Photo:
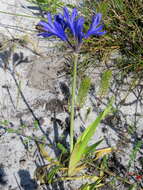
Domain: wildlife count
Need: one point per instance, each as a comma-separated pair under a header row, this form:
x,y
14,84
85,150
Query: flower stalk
x,y
73,102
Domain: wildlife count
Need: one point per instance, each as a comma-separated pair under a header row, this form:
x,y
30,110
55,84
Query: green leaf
x,y
105,83
102,152
92,148
62,148
92,186
118,4
88,111
51,175
45,154
133,187
102,7
83,91
134,152
36,125
4,122
48,5
85,187
9,130
82,141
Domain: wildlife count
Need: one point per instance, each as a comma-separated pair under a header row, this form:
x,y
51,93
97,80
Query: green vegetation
x,y
123,20
105,83
48,5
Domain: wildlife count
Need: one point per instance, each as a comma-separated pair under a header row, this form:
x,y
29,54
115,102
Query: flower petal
x,y
78,26
100,33
74,15
49,17
96,19
45,34
60,18
46,26
93,31
66,13
53,28
70,19
60,31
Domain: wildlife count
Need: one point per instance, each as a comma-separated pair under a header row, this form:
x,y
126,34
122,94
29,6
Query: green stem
x,y
73,102
22,15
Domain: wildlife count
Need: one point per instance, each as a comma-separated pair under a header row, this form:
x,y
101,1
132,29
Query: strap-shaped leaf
x,y
82,142
103,152
92,148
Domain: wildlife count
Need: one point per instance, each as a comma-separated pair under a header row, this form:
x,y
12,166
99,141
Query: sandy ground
x,y
39,73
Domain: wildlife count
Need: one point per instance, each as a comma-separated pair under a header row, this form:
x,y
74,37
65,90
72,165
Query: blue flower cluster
x,y
74,23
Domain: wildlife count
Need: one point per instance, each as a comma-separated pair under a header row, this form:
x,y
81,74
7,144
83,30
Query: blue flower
x,y
70,20
74,23
56,28
78,27
95,29
60,18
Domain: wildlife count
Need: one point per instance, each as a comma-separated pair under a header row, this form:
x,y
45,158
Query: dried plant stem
x,y
73,102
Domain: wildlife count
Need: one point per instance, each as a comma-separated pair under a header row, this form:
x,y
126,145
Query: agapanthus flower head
x,y
74,23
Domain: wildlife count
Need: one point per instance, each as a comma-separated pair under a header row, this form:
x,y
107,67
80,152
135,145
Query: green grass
x,y
48,5
123,20
52,6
